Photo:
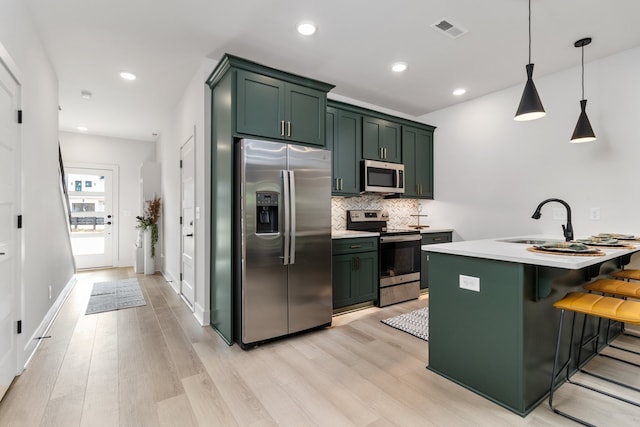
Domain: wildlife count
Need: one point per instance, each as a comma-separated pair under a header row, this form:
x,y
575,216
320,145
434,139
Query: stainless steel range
x,y
399,256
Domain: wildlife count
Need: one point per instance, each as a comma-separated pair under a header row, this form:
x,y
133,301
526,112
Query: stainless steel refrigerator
x,y
283,284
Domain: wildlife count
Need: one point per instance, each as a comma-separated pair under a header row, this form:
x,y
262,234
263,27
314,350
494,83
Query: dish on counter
x,y
600,241
617,236
567,247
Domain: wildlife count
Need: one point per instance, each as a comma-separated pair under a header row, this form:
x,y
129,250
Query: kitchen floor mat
x,y
415,322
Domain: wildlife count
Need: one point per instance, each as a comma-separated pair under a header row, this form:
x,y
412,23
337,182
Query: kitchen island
x,y
492,325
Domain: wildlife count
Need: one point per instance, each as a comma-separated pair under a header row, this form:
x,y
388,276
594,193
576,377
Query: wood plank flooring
x,y
155,366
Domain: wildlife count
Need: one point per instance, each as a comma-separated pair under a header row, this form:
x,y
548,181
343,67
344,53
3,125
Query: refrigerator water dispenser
x,y
266,212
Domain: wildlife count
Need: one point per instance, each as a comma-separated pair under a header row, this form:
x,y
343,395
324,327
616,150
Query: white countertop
x,y
517,252
349,234
435,230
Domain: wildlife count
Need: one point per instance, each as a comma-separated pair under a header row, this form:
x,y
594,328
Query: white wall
x,y
189,119
46,252
491,171
128,155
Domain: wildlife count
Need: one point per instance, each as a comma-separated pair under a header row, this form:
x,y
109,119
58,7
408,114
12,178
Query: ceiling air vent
x,y
447,27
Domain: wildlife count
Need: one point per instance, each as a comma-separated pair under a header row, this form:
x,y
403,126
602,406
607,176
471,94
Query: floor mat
x,y
115,295
415,323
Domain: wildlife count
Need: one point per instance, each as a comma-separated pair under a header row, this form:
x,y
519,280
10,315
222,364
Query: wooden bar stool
x,y
617,288
627,274
600,307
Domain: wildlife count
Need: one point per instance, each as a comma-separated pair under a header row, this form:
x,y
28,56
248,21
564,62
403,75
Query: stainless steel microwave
x,y
382,177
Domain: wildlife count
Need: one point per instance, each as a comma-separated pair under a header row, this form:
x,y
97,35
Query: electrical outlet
x,y
559,214
594,214
49,291
469,282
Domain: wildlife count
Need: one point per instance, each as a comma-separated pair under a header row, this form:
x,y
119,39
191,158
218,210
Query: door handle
x,y
2,253
188,235
108,216
108,222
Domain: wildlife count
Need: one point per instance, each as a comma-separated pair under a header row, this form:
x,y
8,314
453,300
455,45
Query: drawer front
x,y
362,244
431,238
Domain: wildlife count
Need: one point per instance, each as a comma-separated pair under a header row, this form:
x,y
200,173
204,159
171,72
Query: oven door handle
x,y
394,239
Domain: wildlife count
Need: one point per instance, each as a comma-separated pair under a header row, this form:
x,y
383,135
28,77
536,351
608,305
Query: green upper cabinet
x,y
344,139
272,108
417,157
381,140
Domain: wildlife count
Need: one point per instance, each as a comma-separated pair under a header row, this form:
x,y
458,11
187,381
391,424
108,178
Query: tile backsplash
x,y
400,210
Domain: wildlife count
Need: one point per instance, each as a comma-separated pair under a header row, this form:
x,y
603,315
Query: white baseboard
x,y
202,316
175,285
34,341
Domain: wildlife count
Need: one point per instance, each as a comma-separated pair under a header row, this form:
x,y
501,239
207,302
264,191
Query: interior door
x,y
187,268
9,238
92,218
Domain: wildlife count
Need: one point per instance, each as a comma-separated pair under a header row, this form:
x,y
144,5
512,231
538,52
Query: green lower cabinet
x,y
355,274
430,239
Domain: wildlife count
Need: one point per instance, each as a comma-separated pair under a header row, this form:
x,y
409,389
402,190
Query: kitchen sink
x,y
528,241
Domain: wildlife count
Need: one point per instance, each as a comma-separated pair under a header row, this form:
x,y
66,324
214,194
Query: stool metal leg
x,y
567,365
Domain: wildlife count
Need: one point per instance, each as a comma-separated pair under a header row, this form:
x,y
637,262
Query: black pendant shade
x,y
583,131
530,107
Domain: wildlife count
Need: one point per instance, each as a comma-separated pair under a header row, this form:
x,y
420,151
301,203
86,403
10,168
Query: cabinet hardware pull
x,y
420,185
355,246
380,153
341,187
281,127
337,183
357,263
385,153
288,128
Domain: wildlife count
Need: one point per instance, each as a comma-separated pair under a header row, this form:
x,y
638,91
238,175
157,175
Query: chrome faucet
x,y
567,230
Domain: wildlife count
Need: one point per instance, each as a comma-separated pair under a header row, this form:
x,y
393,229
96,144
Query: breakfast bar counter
x,y
492,325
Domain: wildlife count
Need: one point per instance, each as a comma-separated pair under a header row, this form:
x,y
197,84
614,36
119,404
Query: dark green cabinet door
x,y
260,105
344,139
430,239
342,272
417,157
381,140
424,270
305,110
366,286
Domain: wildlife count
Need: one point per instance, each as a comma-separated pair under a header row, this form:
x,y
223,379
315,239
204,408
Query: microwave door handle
x,y
292,217
285,234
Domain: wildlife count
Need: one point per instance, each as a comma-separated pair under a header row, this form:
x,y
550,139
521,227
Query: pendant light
x,y
530,107
583,131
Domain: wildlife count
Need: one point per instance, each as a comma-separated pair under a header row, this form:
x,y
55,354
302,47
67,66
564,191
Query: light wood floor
x,y
155,366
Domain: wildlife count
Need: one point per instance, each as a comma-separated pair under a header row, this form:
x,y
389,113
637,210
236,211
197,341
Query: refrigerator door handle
x,y
287,215
292,217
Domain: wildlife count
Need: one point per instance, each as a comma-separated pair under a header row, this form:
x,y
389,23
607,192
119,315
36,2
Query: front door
x,y
188,240
92,217
9,238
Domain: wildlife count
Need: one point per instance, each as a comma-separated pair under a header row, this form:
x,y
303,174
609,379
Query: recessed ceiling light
x,y
306,28
82,128
399,67
127,75
459,92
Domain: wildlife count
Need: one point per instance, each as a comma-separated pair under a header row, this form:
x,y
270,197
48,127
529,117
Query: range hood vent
x,y
445,26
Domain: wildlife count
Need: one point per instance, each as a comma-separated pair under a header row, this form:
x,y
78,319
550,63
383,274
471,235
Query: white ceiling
x,y
164,42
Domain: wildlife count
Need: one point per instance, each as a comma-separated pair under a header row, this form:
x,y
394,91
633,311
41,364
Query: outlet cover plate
x,y
469,283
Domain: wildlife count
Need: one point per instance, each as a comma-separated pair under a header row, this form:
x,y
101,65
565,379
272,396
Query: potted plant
x,y
148,224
